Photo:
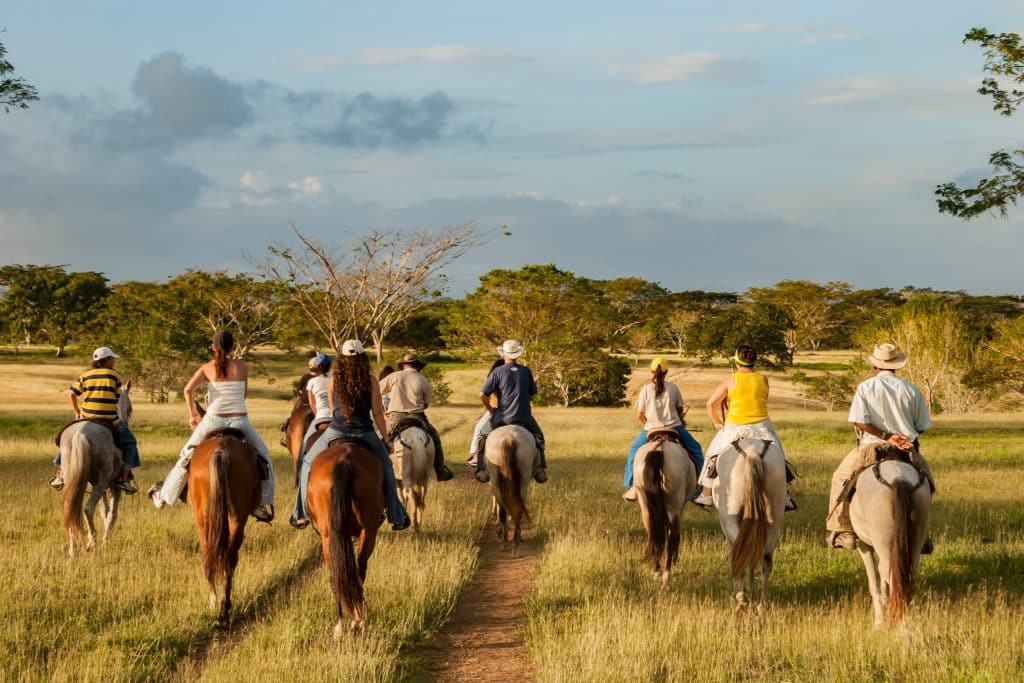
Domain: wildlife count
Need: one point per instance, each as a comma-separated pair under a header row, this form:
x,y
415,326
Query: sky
x,y
714,146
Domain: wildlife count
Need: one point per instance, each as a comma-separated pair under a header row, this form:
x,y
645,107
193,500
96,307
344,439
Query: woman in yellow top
x,y
739,410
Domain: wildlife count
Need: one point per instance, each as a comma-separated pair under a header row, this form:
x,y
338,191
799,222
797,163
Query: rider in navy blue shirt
x,y
515,387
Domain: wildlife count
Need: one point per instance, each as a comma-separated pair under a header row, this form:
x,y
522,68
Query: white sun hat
x,y
886,357
511,349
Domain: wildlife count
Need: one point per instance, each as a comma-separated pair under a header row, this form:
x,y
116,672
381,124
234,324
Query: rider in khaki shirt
x,y
409,396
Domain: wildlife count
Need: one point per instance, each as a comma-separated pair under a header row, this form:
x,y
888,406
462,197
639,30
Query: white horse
x,y
751,498
88,456
413,459
663,475
890,513
511,457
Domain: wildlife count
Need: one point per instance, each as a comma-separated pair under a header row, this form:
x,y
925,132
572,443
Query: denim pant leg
x,y
393,506
478,428
316,449
641,439
130,447
177,478
692,446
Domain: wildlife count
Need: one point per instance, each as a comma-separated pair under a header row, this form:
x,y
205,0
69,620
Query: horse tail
x,y
345,581
510,480
218,536
748,548
654,497
901,566
76,475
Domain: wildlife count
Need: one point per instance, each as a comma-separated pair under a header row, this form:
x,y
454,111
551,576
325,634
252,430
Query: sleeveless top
x,y
226,397
748,400
320,386
360,420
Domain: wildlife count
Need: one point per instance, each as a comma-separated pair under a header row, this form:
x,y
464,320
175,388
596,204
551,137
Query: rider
x,y
94,397
353,398
483,425
659,405
739,410
318,386
228,380
514,384
410,395
885,409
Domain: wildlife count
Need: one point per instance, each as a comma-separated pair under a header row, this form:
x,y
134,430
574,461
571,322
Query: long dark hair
x,y
351,381
223,342
495,365
658,378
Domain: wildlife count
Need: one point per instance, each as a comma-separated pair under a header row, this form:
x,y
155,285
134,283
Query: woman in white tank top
x,y
227,380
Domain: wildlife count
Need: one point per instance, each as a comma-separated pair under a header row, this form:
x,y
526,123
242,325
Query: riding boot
x,y
440,469
263,513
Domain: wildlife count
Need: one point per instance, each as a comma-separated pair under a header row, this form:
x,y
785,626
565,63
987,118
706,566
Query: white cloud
x,y
772,28
685,67
307,187
814,34
434,54
255,181
834,36
848,91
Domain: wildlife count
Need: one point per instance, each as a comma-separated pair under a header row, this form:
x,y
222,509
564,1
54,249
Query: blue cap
x,y
320,360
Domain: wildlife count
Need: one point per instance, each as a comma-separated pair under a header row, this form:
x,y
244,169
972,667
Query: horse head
x,y
124,402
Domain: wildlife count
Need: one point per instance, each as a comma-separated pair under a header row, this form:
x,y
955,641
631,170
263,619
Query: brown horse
x,y
345,498
295,428
223,489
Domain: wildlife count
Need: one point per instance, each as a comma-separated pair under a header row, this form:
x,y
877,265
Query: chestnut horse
x,y
223,489
345,498
295,428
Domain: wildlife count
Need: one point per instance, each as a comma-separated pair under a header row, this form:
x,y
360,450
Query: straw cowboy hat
x,y
411,359
511,349
886,357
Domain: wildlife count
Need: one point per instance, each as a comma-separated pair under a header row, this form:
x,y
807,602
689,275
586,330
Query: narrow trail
x,y
483,639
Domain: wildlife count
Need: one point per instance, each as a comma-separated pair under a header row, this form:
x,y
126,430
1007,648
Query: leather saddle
x,y
661,435
109,424
240,435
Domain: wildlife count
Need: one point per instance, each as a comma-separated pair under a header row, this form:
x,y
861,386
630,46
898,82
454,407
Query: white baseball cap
x,y
352,347
103,352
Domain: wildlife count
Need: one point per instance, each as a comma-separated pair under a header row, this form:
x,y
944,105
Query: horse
x,y
89,455
751,498
345,499
663,475
511,456
223,490
413,459
295,428
890,513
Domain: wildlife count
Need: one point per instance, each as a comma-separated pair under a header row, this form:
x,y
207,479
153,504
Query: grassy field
x,y
136,608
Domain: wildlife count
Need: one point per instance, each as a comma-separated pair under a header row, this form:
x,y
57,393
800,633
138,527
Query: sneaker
x,y
928,548
57,482
298,522
701,500
401,526
540,476
263,513
482,476
153,493
629,495
790,503
125,486
471,462
846,540
443,473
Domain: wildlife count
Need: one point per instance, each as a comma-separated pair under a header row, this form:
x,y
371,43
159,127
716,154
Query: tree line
x,y
583,334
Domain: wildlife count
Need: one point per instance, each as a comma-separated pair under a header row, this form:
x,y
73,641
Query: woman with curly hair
x,y
354,397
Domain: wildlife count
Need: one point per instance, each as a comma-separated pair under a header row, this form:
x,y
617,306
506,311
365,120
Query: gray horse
x,y
413,459
511,456
890,514
89,457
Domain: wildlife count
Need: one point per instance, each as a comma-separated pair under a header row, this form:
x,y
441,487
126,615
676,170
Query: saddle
x,y
713,465
402,425
662,435
109,424
871,456
315,435
240,435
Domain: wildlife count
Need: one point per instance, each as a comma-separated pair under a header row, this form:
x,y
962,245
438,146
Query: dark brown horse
x,y
223,489
345,498
295,428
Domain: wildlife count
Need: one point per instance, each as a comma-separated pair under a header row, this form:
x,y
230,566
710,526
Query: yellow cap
x,y
657,363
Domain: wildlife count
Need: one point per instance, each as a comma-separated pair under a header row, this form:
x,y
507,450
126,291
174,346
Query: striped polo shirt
x,y
98,390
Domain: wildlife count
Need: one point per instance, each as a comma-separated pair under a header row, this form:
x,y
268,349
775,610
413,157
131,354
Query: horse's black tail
x,y
901,565
652,489
218,536
344,572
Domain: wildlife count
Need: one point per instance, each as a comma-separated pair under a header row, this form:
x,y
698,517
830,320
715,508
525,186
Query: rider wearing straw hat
x,y
410,395
885,409
514,383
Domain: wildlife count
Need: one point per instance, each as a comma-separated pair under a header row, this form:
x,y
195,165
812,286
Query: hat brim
x,y
418,364
508,354
895,364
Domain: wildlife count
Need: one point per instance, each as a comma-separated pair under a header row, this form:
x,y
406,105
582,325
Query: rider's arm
x,y
898,440
311,400
378,411
74,404
487,403
198,380
641,416
716,404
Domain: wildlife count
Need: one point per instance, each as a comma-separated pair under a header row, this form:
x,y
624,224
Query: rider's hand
x,y
899,441
193,421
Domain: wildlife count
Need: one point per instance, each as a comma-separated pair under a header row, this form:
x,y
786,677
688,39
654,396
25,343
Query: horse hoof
x,y
339,631
357,628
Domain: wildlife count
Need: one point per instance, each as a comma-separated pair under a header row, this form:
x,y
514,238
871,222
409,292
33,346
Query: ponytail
x,y
220,362
659,381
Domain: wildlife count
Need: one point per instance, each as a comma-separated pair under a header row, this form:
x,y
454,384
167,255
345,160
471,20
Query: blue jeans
x,y
129,448
392,506
689,443
529,425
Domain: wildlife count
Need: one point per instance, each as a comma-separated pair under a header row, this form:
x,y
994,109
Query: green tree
x,y
759,324
638,304
811,307
685,308
1004,63
14,91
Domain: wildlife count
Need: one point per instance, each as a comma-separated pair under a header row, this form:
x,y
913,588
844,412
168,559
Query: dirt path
x,y
483,640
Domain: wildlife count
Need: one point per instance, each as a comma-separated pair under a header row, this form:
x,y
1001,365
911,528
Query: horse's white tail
x,y
76,466
755,516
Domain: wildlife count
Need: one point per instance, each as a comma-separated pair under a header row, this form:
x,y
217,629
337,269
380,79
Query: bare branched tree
x,y
364,290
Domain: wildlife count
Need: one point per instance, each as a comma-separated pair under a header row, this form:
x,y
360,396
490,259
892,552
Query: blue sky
x,y
698,146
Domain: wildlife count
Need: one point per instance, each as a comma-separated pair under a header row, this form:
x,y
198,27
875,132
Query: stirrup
x,y
443,473
540,476
263,513
482,476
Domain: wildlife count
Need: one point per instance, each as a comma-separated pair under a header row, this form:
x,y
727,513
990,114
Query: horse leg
x,y
111,517
867,555
503,527
517,524
90,510
766,571
673,550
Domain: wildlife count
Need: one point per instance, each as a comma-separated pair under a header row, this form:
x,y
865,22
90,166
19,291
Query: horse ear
x,y
127,386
